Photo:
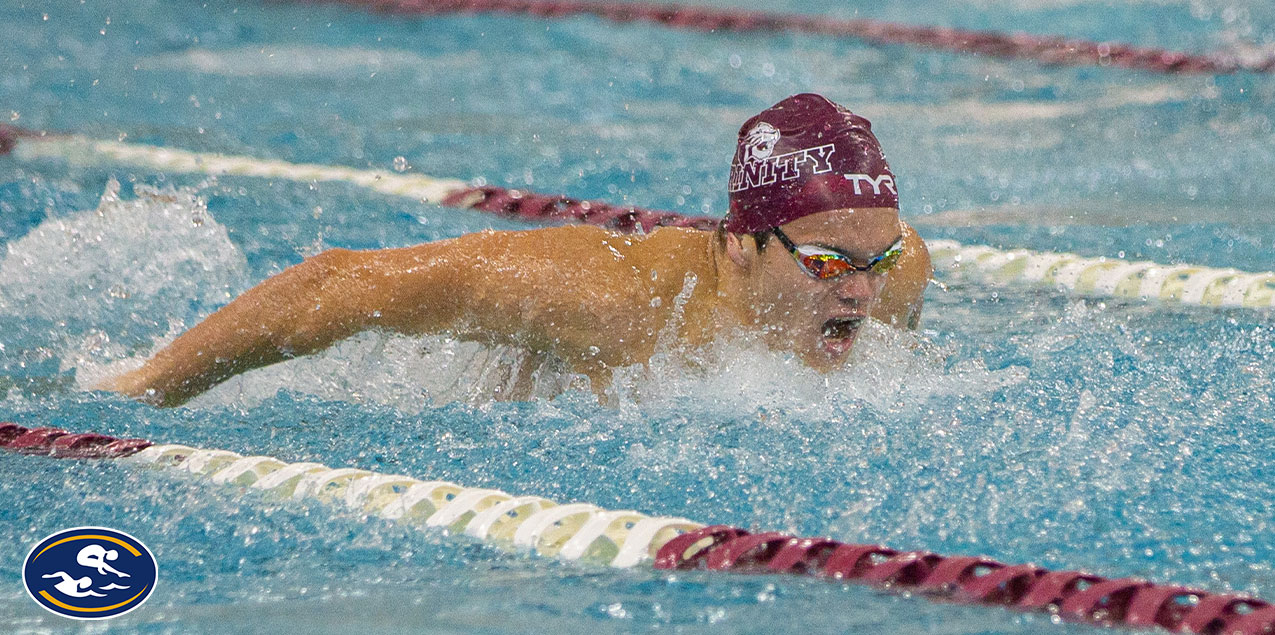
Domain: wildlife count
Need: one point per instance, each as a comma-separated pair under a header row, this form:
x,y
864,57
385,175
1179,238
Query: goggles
x,y
822,263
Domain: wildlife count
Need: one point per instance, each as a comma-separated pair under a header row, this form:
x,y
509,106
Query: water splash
x,y
1072,433
105,282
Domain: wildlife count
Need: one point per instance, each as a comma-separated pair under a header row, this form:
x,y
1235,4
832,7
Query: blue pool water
x,y
1117,437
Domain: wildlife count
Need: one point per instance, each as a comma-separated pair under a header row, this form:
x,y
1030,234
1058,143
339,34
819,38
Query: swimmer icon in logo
x,y
90,573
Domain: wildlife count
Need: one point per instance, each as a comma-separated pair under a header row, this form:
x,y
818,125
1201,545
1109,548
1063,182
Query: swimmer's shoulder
x,y
593,241
916,254
587,254
534,243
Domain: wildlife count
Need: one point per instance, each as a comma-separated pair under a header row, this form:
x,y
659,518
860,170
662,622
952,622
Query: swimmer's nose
x,y
858,287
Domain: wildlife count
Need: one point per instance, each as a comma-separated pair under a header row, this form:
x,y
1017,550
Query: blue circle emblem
x,y
90,573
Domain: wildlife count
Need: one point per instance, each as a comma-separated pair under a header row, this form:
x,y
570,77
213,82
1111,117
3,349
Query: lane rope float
x,y
1106,277
1081,275
440,191
1046,49
626,538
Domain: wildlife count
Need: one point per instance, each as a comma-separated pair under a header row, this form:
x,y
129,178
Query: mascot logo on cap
x,y
760,142
759,165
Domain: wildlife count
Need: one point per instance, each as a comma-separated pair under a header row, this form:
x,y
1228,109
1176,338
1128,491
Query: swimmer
x,y
811,247
71,587
95,557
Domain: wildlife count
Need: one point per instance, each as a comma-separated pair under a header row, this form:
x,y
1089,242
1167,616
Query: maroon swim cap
x,y
801,156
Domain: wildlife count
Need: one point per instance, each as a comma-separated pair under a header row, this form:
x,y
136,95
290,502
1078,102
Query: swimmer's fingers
x,y
117,383
134,383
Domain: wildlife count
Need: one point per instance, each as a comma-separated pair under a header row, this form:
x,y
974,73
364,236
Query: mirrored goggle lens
x,y
887,260
825,265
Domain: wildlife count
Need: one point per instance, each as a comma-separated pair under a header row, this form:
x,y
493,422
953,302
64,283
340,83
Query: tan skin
x,y
580,293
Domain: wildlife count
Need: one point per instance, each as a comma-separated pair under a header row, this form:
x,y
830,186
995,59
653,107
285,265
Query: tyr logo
x,y
885,180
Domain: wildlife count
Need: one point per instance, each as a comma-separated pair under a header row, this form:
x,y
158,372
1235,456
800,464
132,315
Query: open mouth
x,y
839,333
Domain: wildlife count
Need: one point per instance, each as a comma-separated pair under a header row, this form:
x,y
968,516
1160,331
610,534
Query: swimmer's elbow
x,y
318,302
330,263
393,289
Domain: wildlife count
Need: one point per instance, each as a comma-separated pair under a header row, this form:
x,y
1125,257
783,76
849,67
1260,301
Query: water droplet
x,y
400,164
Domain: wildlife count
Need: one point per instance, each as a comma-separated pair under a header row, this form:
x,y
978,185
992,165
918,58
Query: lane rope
x,y
1106,277
626,538
510,203
1097,277
1046,49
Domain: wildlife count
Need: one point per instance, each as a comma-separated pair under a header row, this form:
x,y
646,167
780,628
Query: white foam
x,y
405,373
889,369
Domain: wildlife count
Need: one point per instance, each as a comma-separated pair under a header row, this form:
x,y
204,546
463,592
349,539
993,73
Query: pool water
x,y
1118,437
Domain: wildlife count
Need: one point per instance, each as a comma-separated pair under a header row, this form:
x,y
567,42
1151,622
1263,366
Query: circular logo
x,y
90,573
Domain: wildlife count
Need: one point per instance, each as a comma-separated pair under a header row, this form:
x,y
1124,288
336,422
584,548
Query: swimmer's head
x,y
802,156
815,169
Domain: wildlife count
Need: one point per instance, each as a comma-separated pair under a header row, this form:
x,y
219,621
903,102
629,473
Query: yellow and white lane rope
x,y
1086,276
577,531
1107,277
626,538
79,150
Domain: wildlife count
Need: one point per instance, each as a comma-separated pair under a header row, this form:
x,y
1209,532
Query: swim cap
x,y
802,156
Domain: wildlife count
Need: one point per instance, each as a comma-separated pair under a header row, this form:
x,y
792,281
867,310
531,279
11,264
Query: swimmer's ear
x,y
740,248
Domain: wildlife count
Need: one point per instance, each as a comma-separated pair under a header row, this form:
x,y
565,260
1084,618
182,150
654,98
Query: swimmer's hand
x,y
136,384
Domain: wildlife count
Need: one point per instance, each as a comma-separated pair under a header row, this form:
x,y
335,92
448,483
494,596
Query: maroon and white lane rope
x,y
1087,276
1041,48
580,531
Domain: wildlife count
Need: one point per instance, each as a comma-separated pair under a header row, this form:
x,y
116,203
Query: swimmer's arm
x,y
302,310
497,287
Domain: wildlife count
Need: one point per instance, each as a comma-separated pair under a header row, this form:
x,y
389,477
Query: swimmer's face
x,y
820,320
